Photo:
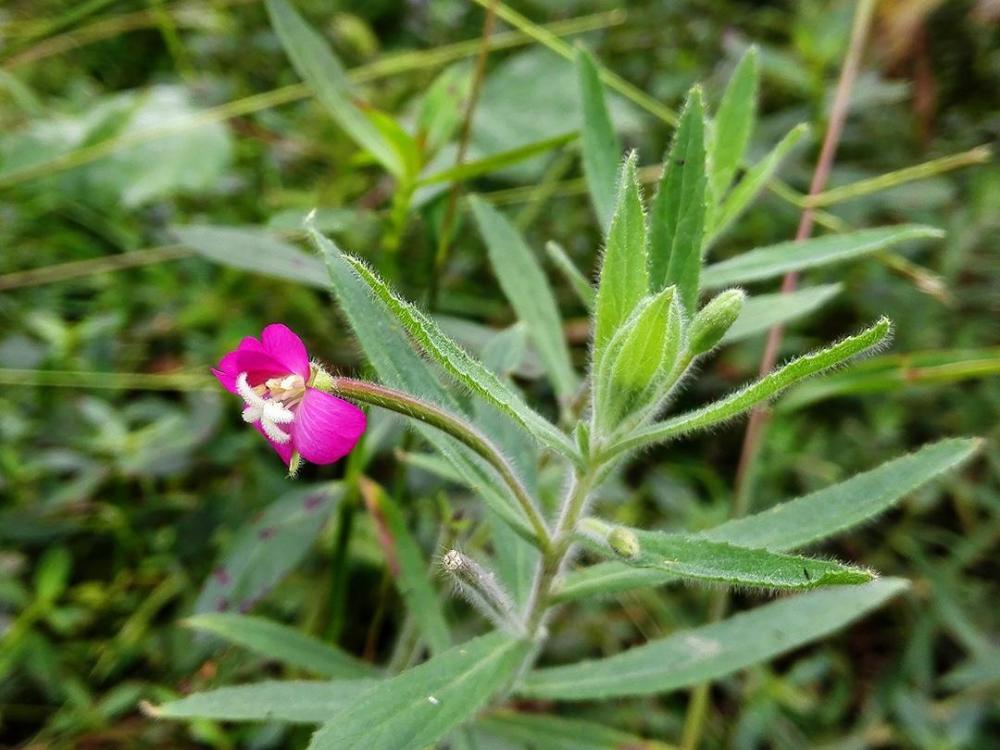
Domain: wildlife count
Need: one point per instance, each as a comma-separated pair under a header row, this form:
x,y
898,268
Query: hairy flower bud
x,y
623,542
480,588
713,320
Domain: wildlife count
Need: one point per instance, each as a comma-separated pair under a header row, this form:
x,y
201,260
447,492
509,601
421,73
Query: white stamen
x,y
268,412
272,431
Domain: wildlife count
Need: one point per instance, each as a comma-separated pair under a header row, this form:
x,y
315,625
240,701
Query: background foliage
x,y
133,497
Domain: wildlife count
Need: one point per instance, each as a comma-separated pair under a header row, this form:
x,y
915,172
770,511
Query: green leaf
x,y
420,706
735,203
265,550
516,559
706,653
894,372
577,281
442,107
388,349
323,72
551,732
829,511
766,388
601,147
624,276
495,162
766,310
282,643
458,362
411,568
524,284
734,123
775,260
677,220
719,561
293,701
798,522
254,250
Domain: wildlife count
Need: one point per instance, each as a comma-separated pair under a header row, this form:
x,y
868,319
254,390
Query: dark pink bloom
x,y
274,378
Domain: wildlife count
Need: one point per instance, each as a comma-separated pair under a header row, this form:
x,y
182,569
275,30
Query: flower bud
x,y
624,542
480,588
713,320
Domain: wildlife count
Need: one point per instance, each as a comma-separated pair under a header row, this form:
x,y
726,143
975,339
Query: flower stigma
x,y
270,403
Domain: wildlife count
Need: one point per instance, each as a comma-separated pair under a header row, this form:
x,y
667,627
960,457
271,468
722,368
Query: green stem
x,y
552,562
402,403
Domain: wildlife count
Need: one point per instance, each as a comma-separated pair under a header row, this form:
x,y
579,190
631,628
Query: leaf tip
x,y
148,709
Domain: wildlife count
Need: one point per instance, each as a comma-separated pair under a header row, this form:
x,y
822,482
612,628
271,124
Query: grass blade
x,y
319,68
524,283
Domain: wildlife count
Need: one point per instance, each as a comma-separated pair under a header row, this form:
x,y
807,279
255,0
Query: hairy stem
x,y
552,562
402,403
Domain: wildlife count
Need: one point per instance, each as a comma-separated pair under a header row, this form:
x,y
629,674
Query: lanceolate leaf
x,y
411,568
293,701
766,310
583,289
317,65
733,123
624,267
735,203
721,562
894,372
459,363
706,653
496,162
525,285
677,218
830,511
601,147
763,389
551,732
282,643
799,522
266,549
253,250
387,347
775,260
420,706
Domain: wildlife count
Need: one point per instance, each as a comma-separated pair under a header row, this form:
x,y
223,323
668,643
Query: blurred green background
x,y
125,475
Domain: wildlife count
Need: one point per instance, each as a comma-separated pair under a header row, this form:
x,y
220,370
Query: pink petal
x,y
249,343
258,366
282,449
326,428
282,344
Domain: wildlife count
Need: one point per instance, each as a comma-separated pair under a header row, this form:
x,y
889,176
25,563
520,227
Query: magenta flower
x,y
275,379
